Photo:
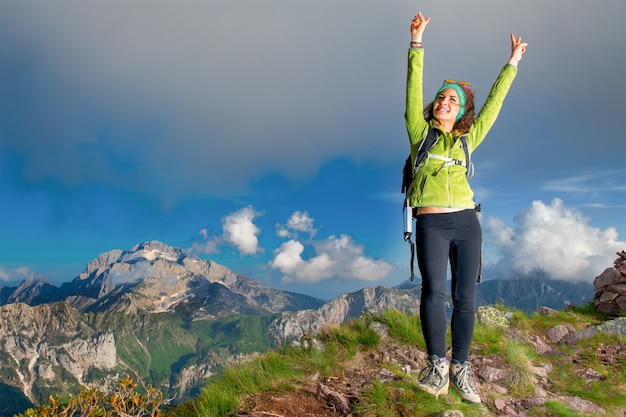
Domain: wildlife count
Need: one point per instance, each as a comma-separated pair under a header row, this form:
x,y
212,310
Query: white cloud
x,y
300,221
238,230
209,244
241,232
598,182
335,258
16,274
553,239
24,271
288,258
138,271
4,275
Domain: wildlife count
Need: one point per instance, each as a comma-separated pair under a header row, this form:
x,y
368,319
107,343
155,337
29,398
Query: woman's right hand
x,y
418,25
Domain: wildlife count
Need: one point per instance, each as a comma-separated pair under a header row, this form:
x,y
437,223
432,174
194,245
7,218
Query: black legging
x,y
455,236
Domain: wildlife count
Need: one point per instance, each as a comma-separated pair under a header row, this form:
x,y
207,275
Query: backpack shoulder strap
x,y
409,168
428,142
469,165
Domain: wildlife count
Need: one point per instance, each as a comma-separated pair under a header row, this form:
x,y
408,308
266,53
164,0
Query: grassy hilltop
x,y
369,367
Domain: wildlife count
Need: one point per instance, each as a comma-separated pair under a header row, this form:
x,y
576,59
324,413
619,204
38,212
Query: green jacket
x,y
449,187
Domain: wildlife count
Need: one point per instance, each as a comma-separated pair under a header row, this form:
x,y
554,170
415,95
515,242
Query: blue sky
x,y
269,136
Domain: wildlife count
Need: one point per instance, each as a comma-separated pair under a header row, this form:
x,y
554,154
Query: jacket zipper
x,y
448,174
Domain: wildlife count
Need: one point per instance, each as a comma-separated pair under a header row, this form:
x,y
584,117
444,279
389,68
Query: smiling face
x,y
447,106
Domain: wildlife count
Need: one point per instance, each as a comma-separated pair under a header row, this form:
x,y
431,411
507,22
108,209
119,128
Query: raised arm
x,y
490,110
517,50
414,115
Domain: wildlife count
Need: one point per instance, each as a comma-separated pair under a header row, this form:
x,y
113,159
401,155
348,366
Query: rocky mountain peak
x,y
146,251
153,250
99,264
154,277
33,290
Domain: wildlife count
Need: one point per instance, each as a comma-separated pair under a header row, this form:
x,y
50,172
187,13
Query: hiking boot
x,y
436,380
463,379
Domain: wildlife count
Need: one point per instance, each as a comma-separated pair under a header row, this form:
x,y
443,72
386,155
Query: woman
x,y
447,227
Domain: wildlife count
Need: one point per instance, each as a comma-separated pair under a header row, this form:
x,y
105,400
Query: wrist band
x,y
419,43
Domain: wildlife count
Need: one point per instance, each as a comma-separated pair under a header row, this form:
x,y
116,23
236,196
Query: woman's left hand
x,y
517,49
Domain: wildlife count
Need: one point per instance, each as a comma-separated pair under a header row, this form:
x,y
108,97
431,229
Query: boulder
x,y
610,288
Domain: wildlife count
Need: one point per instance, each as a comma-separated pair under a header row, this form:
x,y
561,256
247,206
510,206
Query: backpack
x,y
408,176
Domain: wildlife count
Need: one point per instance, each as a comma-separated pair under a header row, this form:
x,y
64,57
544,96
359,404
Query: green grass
x,y
610,390
280,369
247,334
554,409
577,317
327,354
273,372
490,340
166,345
403,399
521,375
376,402
285,368
406,329
357,334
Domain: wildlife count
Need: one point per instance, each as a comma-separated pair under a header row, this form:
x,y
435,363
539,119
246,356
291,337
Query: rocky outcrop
x,y
42,342
493,376
512,386
294,325
610,288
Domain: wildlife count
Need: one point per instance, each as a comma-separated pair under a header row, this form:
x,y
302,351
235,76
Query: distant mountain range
x,y
175,319
155,278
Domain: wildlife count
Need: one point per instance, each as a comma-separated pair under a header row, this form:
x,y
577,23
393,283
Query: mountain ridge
x,y
123,271
176,319
117,280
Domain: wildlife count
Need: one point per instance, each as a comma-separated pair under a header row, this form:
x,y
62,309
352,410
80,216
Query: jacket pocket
x,y
418,191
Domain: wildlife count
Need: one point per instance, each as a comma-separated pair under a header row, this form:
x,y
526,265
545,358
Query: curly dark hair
x,y
466,121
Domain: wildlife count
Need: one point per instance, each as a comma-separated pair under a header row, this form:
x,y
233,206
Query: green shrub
x,y
521,377
131,399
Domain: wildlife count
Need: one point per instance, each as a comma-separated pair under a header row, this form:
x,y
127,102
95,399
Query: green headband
x,y
462,97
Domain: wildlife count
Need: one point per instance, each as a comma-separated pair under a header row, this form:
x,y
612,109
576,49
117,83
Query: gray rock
x,y
612,327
